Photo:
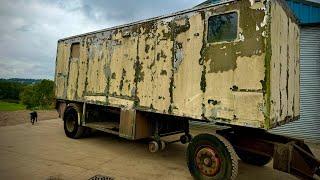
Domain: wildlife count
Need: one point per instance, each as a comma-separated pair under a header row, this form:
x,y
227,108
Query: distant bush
x,y
10,91
38,96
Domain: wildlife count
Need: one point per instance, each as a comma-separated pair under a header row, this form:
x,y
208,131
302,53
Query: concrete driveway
x,y
44,152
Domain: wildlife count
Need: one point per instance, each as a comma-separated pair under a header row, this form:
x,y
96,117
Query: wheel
x,y
71,127
211,157
184,139
155,146
252,158
190,137
163,145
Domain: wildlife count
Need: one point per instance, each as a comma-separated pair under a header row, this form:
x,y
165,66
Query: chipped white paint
x,y
252,2
257,28
126,104
101,99
285,83
241,37
158,67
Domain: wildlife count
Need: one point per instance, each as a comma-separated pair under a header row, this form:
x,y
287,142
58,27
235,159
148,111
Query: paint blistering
x,y
166,65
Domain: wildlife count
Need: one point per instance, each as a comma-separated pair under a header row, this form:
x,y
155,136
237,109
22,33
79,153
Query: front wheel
x,y
71,127
211,157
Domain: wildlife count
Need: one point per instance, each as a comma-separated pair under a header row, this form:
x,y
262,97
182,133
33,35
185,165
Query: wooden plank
x,y
109,127
127,123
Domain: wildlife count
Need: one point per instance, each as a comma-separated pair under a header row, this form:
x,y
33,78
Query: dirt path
x,y
10,118
43,151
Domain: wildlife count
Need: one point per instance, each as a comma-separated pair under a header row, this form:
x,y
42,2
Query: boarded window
x,y
75,50
223,27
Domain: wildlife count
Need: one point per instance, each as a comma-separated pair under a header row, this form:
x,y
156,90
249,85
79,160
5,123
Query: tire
x,y
211,157
252,158
71,127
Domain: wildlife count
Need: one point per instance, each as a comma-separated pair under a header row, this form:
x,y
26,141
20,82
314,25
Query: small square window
x,y
223,27
75,50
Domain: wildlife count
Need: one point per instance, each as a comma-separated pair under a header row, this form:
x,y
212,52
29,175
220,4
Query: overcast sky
x,y
30,29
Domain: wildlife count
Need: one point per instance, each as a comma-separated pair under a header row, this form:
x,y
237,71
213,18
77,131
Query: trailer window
x,y
75,50
222,27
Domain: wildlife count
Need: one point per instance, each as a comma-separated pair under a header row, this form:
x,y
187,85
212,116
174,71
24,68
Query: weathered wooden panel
x,y
62,70
285,83
83,68
162,69
233,71
125,43
73,78
143,127
170,65
127,123
187,94
145,67
96,79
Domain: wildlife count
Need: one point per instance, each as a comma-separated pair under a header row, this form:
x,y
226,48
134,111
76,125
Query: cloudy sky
x,y
30,29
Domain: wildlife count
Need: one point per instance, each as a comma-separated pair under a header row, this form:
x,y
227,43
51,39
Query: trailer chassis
x,y
209,156
289,155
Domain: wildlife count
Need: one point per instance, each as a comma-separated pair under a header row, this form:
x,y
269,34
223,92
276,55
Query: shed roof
x,y
306,11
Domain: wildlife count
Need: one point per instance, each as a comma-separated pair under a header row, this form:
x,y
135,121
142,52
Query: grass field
x,y
6,106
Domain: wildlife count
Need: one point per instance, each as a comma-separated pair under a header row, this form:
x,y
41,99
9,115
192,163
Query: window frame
x,y
71,50
237,39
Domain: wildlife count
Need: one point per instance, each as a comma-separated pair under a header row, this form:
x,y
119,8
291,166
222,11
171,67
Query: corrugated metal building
x,y
308,126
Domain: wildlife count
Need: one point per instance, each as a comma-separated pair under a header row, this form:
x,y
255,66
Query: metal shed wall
x,y
306,11
308,126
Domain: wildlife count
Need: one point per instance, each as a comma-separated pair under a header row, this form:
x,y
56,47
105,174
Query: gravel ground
x,y
9,118
43,152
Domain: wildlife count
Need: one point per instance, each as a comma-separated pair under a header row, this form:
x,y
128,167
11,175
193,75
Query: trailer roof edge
x,y
149,19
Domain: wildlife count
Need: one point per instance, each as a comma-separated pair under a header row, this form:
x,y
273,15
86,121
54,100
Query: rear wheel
x,y
252,158
71,127
211,157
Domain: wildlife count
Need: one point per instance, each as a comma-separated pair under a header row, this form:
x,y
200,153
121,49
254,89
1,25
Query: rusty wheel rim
x,y
207,161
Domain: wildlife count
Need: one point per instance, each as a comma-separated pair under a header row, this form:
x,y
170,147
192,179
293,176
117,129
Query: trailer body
x,y
180,65
234,63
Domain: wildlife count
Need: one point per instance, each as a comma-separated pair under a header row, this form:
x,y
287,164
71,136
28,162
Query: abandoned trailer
x,y
235,63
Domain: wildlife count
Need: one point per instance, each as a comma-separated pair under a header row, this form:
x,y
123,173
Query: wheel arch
x,y
78,107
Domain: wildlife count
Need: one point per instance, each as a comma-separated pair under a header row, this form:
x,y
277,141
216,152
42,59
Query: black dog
x,y
33,117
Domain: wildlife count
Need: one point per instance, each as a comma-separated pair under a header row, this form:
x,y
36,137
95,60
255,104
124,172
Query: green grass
x,y
6,106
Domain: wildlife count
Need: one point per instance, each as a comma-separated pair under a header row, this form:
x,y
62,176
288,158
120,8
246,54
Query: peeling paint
x,y
165,65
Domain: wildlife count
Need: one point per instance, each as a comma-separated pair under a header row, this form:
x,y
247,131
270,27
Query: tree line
x,y
34,94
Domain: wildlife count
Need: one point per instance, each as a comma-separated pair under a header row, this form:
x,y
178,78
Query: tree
x,y
39,95
27,97
10,90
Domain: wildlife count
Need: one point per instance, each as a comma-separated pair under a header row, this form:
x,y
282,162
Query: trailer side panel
x,y
285,66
